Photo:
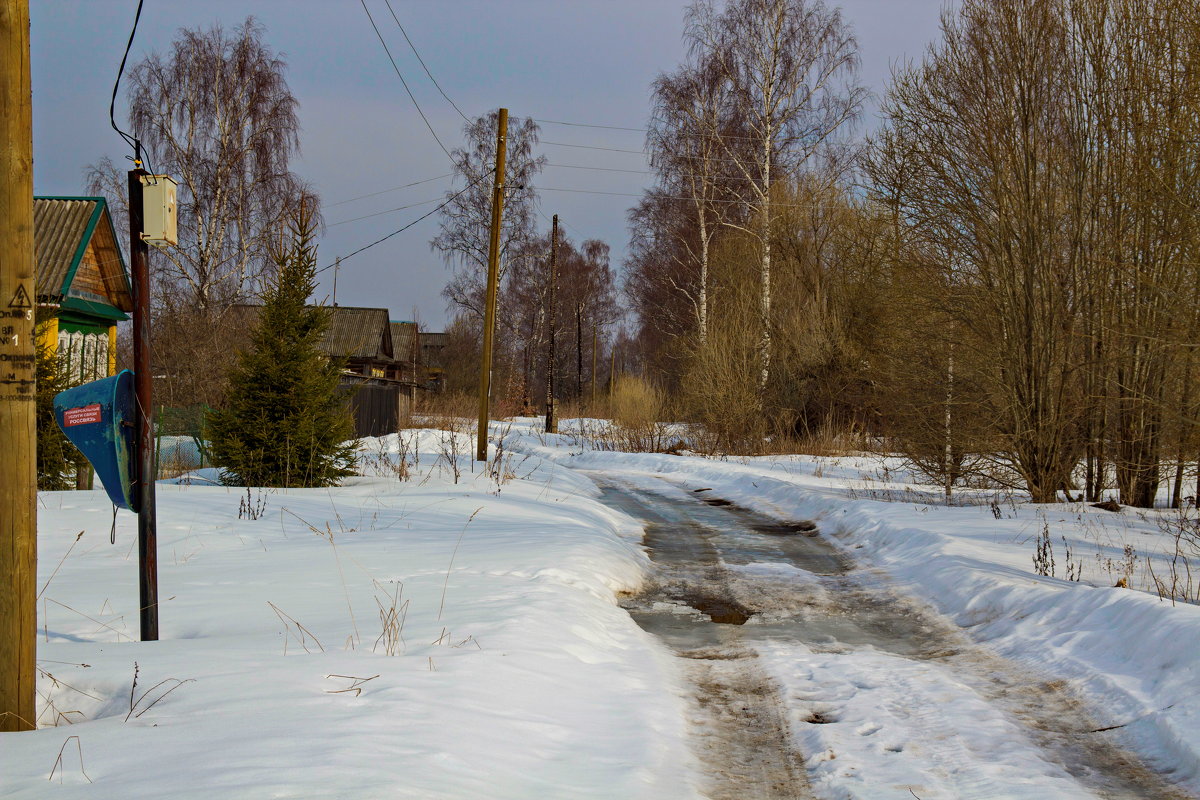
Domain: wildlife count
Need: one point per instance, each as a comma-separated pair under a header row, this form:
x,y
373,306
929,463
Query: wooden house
x,y
382,385
433,373
407,348
83,281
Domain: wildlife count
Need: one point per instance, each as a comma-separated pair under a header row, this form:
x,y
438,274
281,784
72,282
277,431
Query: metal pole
x,y
551,418
18,439
144,413
489,321
337,265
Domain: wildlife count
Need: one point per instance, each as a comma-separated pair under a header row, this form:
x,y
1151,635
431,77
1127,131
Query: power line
x,y
401,76
393,189
132,141
381,213
647,130
584,125
600,169
652,172
673,197
590,147
448,201
413,47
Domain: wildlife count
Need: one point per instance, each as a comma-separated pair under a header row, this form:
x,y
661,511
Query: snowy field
x,y
433,629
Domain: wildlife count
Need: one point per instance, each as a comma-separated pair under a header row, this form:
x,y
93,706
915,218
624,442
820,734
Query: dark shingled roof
x,y
353,332
404,341
358,333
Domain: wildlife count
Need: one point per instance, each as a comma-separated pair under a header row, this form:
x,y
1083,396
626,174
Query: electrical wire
x,y
393,189
449,200
404,82
584,125
413,47
591,147
679,197
600,169
132,141
381,213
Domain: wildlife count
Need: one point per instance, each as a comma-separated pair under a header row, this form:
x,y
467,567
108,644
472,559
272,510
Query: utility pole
x,y
551,417
612,373
144,412
489,320
592,410
337,264
18,437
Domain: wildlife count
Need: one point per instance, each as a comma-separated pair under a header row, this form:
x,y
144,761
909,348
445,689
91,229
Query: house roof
x,y
359,333
404,341
362,333
63,230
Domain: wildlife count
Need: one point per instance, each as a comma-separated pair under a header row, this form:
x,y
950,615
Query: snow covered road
x,y
879,696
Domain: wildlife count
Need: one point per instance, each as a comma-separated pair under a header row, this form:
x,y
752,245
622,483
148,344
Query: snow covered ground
x,y
1133,657
457,635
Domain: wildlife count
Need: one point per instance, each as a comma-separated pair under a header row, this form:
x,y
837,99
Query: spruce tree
x,y
57,458
286,422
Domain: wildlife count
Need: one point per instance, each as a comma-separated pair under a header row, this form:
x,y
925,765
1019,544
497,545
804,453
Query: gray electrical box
x,y
158,210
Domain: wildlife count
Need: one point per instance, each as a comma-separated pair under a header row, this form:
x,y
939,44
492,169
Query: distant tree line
x,y
1001,282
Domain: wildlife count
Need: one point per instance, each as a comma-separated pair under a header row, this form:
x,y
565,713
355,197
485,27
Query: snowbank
x,y
1135,657
436,637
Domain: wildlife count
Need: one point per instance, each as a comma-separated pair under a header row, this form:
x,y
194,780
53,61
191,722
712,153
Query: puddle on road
x,y
763,580
694,546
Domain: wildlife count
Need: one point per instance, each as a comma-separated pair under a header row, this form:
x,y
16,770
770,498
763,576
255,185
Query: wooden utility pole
x,y
551,412
612,374
592,411
18,438
144,412
489,320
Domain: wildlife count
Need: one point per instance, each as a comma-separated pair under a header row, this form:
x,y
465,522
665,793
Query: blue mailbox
x,y
98,418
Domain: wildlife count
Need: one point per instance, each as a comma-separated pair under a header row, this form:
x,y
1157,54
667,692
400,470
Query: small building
x,y
433,373
382,385
362,336
406,345
82,279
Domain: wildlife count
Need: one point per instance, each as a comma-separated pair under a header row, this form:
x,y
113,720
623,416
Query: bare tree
x,y
982,136
216,114
789,65
466,218
692,113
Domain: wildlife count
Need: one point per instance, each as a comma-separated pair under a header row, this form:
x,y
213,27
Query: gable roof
x,y
361,333
404,341
64,228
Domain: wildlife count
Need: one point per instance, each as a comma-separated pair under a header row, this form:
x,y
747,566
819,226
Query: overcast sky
x,y
580,61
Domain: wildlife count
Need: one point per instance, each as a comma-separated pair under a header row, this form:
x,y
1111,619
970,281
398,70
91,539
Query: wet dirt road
x,y
732,586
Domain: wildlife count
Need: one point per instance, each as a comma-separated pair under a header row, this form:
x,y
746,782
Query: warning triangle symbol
x,y
20,298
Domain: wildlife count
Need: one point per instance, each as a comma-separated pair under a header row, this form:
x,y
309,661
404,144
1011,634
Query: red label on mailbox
x,y
81,416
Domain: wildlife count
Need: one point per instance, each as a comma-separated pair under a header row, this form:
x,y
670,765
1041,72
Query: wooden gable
x,y
80,267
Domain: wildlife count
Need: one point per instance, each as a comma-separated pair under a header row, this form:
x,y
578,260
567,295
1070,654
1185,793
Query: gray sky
x,y
582,61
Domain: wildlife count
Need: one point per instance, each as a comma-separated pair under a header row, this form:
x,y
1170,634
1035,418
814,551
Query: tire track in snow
x,y
1033,738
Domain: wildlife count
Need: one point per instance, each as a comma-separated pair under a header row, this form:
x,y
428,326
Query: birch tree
x,y
790,66
466,219
215,112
